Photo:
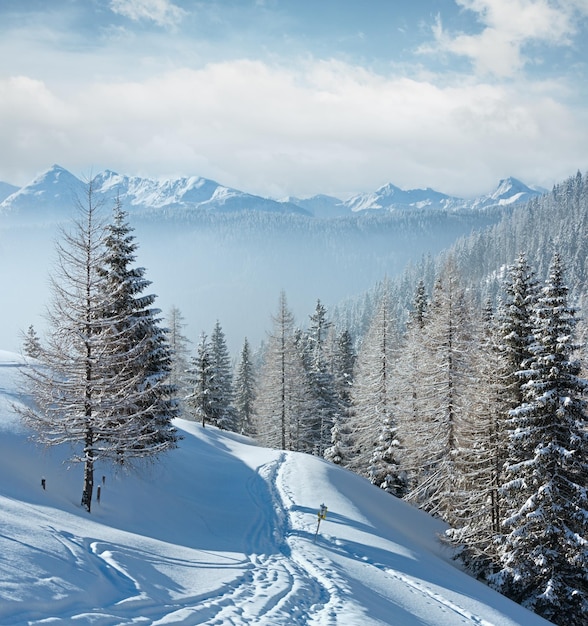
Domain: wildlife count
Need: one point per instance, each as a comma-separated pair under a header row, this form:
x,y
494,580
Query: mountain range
x,y
52,193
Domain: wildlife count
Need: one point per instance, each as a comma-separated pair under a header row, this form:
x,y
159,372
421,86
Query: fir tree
x,y
223,412
31,346
544,554
324,405
245,392
101,385
198,400
140,342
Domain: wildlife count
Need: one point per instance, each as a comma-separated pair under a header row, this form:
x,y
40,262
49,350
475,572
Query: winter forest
x,y
458,385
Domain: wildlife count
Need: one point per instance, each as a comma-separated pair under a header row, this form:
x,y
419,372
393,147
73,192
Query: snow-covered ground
x,y
219,532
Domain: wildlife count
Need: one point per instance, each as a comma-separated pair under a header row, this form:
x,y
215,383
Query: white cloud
x,y
508,25
328,127
162,12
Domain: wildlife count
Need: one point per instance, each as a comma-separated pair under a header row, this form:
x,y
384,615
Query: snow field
x,y
219,532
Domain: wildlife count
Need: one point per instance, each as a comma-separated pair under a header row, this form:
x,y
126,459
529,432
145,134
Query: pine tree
x,y
31,346
139,341
180,354
97,388
198,400
374,448
221,392
245,392
324,404
544,554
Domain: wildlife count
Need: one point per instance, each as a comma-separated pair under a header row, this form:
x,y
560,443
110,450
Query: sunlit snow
x,y
219,532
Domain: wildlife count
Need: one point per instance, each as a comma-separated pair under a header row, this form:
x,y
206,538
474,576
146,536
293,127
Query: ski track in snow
x,y
283,577
277,589
287,580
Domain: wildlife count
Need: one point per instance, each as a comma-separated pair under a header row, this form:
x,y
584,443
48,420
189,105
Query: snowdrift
x,y
218,532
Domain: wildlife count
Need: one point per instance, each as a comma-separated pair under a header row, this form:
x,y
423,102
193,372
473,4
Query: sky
x,y
297,97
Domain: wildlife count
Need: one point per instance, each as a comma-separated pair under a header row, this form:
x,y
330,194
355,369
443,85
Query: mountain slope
x,y
219,532
509,191
54,192
6,190
391,198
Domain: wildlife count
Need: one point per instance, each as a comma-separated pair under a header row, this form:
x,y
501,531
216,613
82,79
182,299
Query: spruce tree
x,y
343,360
245,392
374,448
138,340
324,404
544,554
198,401
101,384
180,354
223,412
31,346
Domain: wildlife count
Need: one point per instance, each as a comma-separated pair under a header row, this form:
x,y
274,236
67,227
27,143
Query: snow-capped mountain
x,y
509,191
54,192
391,198
321,205
51,192
192,192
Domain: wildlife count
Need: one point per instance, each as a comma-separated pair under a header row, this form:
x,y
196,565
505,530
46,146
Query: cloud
x,y
507,27
162,12
326,127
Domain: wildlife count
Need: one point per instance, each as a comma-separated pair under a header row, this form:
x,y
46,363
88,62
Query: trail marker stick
x,y
322,514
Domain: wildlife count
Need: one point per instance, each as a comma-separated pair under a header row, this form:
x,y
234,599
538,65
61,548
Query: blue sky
x,y
297,97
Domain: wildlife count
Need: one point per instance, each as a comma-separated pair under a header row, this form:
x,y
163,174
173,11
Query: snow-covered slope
x,y
6,189
509,191
219,532
51,193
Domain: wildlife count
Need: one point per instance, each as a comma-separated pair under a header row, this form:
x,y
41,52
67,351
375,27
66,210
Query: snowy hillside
x,y
219,532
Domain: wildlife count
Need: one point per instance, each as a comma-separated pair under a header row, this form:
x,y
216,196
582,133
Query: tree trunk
x,y
88,472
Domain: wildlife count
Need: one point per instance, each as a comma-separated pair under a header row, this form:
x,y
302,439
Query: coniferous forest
x,y
458,385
